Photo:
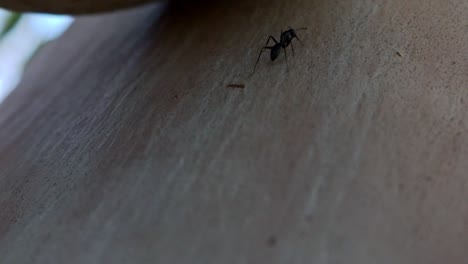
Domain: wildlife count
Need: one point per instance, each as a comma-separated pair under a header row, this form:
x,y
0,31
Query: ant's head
x,y
293,31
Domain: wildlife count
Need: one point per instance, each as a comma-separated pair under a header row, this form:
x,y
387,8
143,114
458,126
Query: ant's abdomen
x,y
275,52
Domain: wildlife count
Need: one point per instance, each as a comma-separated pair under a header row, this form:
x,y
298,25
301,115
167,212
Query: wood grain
x,y
123,144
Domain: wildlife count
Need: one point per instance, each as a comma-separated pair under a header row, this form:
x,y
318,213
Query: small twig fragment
x,y
235,85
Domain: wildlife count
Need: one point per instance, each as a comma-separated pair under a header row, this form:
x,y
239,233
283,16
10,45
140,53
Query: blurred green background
x,y
21,36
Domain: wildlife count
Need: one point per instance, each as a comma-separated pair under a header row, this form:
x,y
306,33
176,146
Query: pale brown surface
x,y
123,144
69,6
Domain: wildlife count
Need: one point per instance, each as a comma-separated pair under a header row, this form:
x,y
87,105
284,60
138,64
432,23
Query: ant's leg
x,y
259,55
299,40
268,40
292,47
286,57
273,38
264,48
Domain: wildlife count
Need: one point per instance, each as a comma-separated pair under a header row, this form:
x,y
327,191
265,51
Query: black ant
x,y
285,39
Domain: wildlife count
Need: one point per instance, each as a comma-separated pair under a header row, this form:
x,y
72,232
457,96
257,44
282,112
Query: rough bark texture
x,y
123,144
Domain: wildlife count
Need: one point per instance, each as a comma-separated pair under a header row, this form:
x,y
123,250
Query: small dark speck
x,y
176,97
271,242
398,54
454,62
428,179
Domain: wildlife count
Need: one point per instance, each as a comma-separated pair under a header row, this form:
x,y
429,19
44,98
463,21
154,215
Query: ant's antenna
x,y
302,28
